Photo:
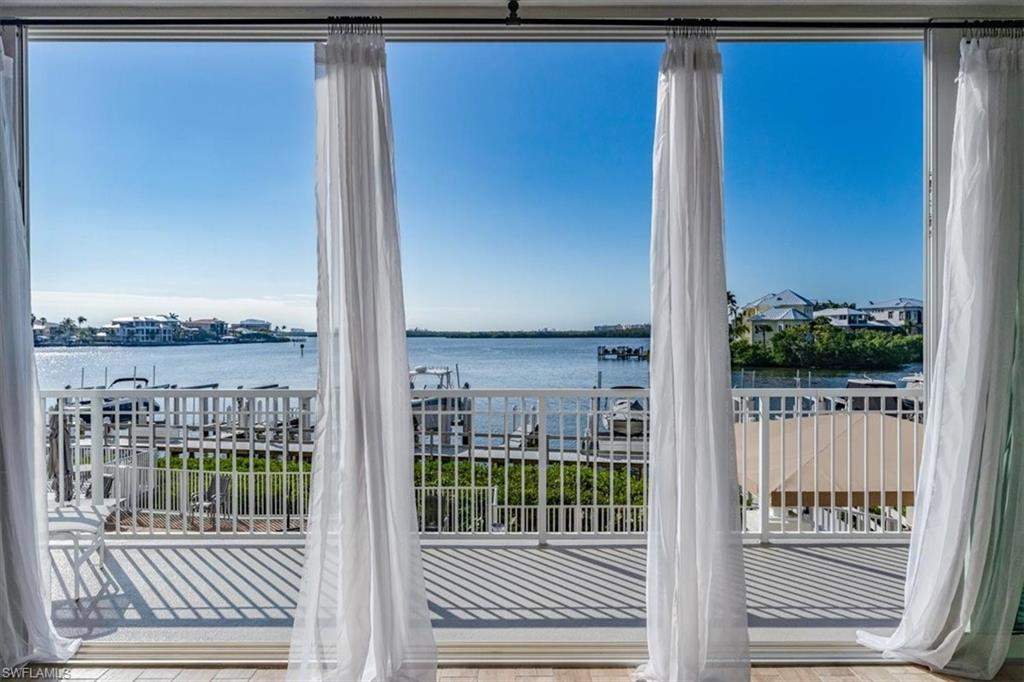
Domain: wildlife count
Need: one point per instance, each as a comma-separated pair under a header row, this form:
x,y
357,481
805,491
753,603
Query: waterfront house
x,y
207,325
44,332
901,312
253,325
773,312
763,326
144,330
787,299
853,318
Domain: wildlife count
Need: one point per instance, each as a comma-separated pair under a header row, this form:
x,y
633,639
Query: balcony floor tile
x,y
245,590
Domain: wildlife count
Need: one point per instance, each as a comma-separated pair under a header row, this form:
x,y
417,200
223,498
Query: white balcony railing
x,y
537,464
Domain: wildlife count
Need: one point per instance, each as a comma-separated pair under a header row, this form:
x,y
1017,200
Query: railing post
x,y
184,507
763,483
542,471
96,438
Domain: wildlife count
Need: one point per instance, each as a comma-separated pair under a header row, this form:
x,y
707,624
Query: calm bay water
x,y
484,363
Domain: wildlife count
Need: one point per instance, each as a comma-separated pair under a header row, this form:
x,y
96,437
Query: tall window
x,y
177,178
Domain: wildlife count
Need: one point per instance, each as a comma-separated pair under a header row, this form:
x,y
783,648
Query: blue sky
x,y
179,178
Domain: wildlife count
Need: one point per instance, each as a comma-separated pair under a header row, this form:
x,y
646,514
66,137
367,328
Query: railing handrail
x,y
501,444
529,392
773,392
310,393
828,392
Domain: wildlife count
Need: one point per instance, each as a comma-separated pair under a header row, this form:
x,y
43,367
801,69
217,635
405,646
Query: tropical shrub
x,y
820,345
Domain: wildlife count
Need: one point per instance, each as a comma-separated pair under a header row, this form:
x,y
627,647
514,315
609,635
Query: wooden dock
x,y
623,353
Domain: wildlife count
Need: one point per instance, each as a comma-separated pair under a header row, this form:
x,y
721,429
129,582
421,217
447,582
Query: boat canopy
x,y
443,375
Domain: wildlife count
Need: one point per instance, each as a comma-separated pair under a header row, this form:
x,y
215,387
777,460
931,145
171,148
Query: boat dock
x,y
623,353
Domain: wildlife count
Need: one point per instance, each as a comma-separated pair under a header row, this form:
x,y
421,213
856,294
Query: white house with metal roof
x,y
787,298
144,329
763,326
853,318
773,312
253,325
902,311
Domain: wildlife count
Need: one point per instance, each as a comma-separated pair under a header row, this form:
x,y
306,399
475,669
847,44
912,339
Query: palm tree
x,y
736,326
823,305
734,308
81,320
67,327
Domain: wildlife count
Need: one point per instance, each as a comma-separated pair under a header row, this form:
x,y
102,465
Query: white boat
x,y
439,420
868,382
626,417
909,407
117,410
915,380
433,378
618,426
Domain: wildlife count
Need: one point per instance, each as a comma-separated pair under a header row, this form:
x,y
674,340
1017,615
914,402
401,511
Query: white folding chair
x,y
83,526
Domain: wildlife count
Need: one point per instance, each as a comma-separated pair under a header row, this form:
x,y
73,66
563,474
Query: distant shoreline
x,y
109,344
411,333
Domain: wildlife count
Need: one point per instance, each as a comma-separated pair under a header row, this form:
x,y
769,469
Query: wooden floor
x,y
1011,673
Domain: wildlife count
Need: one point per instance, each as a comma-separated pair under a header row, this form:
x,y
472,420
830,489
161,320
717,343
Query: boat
x,y
868,382
440,377
625,417
118,410
618,426
439,420
915,380
910,408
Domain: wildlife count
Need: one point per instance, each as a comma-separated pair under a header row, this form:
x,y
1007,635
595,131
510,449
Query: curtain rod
x,y
513,19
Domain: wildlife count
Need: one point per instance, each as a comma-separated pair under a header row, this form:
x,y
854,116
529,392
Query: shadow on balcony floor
x,y
213,590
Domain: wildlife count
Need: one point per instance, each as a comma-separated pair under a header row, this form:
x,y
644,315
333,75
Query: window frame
x,y
940,63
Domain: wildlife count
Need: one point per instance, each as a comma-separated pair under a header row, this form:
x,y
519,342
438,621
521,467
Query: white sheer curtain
x,y
362,610
696,605
26,630
966,568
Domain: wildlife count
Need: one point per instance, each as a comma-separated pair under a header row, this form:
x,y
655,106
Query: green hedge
x,y
823,346
240,483
521,481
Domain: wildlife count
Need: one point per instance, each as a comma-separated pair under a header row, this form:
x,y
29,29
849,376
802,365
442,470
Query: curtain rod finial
x,y
513,13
